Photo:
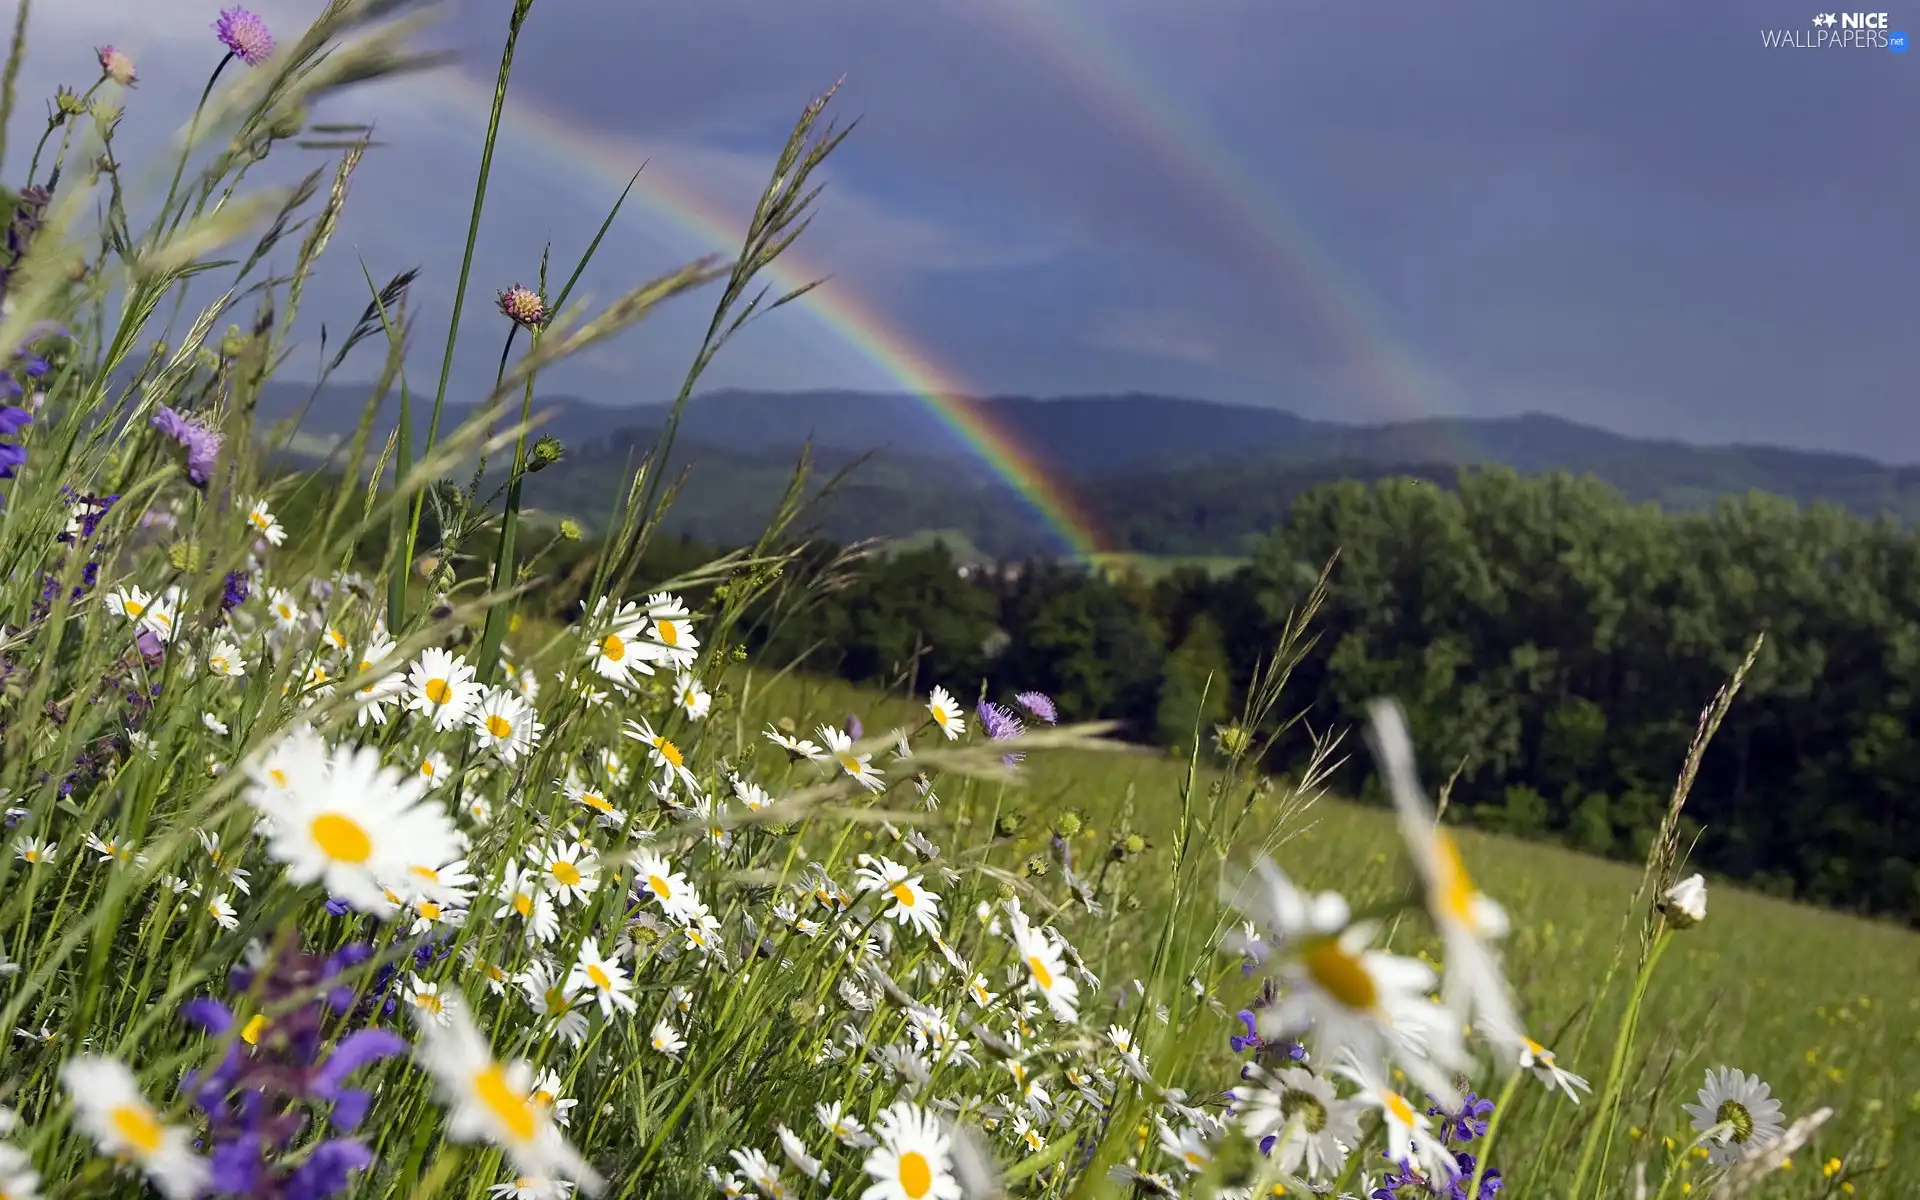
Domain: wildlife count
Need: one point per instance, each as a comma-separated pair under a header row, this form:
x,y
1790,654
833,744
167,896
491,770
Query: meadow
x,y
420,880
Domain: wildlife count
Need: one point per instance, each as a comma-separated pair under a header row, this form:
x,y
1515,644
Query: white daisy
x,y
110,1108
672,630
1046,969
264,524
505,724
691,698
225,659
354,826
666,756
1410,1136
859,766
913,904
603,978
492,1101
614,648
442,687
429,1001
568,867
914,1158
549,1092
666,1039
796,1152
1739,1112
1311,1126
946,713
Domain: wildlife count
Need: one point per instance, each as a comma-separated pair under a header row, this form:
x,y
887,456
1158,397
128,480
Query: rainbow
x,y
613,160
1088,57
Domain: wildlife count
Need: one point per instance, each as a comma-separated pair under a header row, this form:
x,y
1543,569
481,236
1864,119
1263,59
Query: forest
x,y
1551,640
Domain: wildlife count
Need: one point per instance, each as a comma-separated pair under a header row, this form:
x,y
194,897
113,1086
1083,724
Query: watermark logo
x,y
1839,31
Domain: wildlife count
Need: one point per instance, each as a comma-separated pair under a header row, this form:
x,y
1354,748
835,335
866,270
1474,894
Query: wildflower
x,y
547,1094
763,1175
1294,1114
122,1124
1475,987
666,1039
913,1160
12,421
1409,1134
946,713
1001,725
666,756
1738,1113
1539,1060
491,1101
442,687
690,698
606,979
18,1179
35,852
198,442
857,766
264,523
532,1187
1465,1123
1685,903
796,748
429,1001
847,1130
524,307
672,630
572,868
615,650
913,904
505,724
244,35
1047,970
115,65
520,895
553,996
353,825
1038,705
796,1152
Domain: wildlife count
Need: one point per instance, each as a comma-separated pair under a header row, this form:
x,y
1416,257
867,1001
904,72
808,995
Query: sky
x,y
1628,213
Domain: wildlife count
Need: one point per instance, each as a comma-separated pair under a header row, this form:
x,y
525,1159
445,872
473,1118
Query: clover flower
x,y
245,35
115,65
524,307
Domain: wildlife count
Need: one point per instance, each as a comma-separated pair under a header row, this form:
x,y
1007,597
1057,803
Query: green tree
x,y
1193,686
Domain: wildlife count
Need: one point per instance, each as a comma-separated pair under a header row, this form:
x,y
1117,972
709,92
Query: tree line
x,y
1553,641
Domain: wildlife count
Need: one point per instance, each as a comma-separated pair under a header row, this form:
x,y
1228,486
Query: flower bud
x,y
1685,904
546,452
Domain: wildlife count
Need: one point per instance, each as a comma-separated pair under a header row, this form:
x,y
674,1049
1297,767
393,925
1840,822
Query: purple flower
x,y
1039,705
1466,1124
236,591
244,35
12,421
199,443
273,1083
853,727
1002,726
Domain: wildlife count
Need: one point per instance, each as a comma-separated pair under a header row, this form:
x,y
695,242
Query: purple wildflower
x,y
12,421
257,1098
1468,1123
199,443
235,593
244,35
1002,726
1039,705
853,727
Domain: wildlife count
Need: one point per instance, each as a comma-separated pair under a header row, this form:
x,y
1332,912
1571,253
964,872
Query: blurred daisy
x,y
356,825
265,525
914,1158
1410,1136
1046,970
110,1109
1739,1113
691,698
796,748
429,1001
1475,986
225,660
549,1092
666,1039
847,1130
553,997
376,692
520,895
492,1102
1539,1060
1311,1127
796,1152
433,769
1187,1146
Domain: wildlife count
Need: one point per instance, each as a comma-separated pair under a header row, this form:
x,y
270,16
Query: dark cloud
x,y
1631,213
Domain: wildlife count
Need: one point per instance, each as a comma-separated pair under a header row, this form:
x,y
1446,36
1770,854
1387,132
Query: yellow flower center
x,y
565,873
612,648
1041,975
341,838
596,802
543,1098
163,620
670,752
260,520
499,726
850,764
438,691
1397,1105
278,776
916,1175
136,1126
506,1105
668,632
428,909
904,894
218,664
430,1001
660,887
523,904
599,976
557,1001
1452,886
135,608
255,1026
1341,975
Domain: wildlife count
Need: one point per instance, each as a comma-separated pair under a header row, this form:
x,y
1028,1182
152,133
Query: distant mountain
x,y
1162,474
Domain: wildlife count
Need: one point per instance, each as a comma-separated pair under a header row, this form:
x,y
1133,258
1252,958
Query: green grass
x,y
1823,1005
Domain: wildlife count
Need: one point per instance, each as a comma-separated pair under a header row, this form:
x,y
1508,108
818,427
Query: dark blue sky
x,y
1629,213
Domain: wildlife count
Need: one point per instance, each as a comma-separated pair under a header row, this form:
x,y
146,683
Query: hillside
x,y
1161,475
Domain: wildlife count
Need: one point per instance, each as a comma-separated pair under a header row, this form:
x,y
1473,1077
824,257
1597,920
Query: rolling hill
x,y
1162,475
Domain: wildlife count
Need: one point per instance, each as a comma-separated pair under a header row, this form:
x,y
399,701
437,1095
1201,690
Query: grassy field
x,y
1824,1006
